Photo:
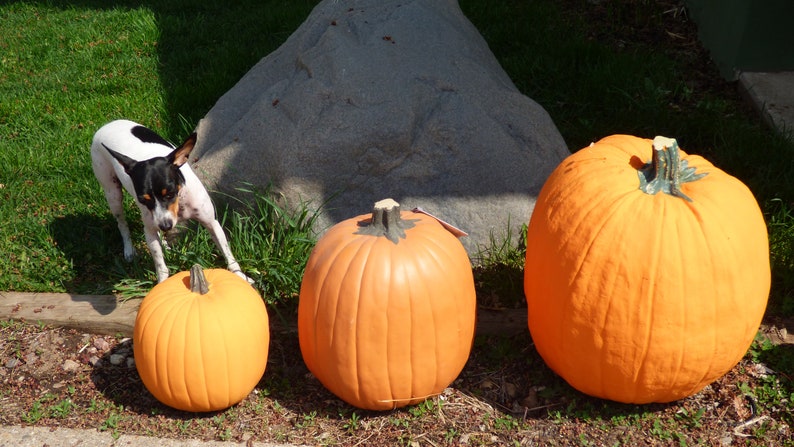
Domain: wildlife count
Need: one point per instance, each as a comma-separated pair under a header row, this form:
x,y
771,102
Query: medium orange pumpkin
x,y
644,281
387,308
201,340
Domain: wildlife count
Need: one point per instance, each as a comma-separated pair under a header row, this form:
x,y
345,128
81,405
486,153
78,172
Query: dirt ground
x,y
63,377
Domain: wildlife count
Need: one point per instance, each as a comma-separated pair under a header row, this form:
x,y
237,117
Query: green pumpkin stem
x,y
666,171
386,222
198,282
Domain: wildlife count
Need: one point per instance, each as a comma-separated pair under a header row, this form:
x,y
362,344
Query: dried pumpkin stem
x,y
198,282
666,171
386,222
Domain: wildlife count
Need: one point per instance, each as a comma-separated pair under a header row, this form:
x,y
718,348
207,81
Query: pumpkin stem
x,y
666,171
198,282
386,222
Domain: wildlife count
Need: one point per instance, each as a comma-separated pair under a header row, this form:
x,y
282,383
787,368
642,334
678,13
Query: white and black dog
x,y
156,173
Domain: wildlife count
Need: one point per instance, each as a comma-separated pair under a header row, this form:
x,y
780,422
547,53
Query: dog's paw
x,y
129,253
243,275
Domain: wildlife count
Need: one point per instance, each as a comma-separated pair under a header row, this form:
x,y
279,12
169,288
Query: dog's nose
x,y
165,226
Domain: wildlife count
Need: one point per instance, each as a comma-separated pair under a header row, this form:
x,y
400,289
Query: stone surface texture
x,y
370,99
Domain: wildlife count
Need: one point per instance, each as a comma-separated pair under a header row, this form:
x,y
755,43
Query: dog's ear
x,y
179,155
126,162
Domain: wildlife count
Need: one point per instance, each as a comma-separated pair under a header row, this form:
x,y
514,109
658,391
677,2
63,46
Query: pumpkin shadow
x,y
507,373
503,372
114,375
288,380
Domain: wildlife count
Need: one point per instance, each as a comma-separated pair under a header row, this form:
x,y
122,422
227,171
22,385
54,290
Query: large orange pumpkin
x,y
644,281
201,340
387,308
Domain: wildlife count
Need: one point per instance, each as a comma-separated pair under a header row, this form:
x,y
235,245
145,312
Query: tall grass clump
x,y
270,238
499,268
274,239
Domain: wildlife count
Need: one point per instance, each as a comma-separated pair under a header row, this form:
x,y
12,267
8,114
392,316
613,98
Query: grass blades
x,y
270,241
780,219
66,71
66,68
499,270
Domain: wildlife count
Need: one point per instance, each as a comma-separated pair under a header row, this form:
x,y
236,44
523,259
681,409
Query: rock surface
x,y
371,99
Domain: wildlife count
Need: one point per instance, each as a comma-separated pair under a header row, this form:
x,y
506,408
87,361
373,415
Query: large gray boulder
x,y
371,99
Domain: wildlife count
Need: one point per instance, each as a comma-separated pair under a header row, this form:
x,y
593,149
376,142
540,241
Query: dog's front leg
x,y
215,229
156,250
114,196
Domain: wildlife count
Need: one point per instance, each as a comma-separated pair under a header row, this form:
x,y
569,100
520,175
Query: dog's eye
x,y
147,200
167,194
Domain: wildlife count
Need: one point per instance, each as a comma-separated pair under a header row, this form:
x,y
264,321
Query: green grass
x,y
68,67
272,243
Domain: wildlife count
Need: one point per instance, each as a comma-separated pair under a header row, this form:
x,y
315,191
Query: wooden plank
x,y
106,314
505,322
97,314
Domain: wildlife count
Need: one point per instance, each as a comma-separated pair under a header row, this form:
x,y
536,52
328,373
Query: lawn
x,y
69,67
598,68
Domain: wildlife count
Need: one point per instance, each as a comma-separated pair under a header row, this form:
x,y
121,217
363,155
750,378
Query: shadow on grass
x,y
93,245
205,47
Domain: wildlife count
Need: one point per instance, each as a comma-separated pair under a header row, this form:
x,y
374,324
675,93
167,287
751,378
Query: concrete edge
x,y
19,436
772,96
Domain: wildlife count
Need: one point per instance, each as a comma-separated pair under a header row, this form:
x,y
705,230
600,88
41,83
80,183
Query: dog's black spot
x,y
149,136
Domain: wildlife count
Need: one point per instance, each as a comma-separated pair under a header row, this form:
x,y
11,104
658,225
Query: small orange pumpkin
x,y
387,308
644,281
201,340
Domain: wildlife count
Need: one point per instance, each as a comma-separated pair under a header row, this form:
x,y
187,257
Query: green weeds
x,y
307,420
352,423
35,413
49,406
429,407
